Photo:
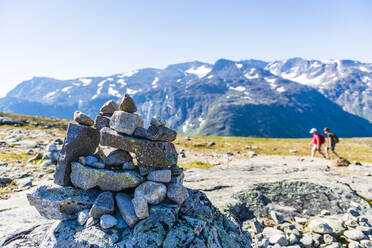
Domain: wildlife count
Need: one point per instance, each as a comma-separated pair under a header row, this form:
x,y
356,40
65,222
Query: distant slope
x,y
228,98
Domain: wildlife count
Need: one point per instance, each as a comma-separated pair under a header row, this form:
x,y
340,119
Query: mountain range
x,y
282,98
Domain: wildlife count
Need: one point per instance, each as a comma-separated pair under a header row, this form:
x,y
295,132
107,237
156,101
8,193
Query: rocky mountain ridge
x,y
244,98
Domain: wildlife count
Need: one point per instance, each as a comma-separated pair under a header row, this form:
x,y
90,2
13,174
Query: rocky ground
x,y
293,199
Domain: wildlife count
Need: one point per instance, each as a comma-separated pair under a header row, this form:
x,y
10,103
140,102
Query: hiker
x,y
332,140
317,142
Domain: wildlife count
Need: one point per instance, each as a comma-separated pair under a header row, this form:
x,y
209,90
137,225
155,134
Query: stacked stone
x,y
155,179
134,196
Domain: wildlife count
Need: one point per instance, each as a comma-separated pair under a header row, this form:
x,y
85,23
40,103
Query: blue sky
x,y
72,38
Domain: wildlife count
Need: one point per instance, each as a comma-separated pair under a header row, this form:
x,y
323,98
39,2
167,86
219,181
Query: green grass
x,y
353,149
195,164
60,124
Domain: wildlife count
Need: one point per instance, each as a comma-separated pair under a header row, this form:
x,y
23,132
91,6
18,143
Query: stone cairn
x,y
112,201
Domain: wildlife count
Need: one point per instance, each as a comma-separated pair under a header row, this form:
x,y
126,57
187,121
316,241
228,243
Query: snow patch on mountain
x,y
200,71
85,81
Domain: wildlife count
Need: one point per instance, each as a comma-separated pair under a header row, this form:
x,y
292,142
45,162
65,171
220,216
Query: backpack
x,y
335,138
321,139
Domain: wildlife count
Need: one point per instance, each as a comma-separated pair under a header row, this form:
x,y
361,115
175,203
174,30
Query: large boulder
x,y
148,153
125,122
80,141
107,180
61,203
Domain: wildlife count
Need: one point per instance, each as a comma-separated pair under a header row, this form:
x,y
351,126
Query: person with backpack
x,y
332,141
317,142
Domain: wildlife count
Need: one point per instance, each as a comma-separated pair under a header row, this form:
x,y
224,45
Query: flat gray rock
x,y
148,153
152,192
161,133
124,122
160,176
80,141
104,204
107,180
61,203
126,208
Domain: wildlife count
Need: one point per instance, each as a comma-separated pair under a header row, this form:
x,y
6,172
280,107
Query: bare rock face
x,y
108,108
83,119
80,141
107,180
148,153
61,203
125,122
127,104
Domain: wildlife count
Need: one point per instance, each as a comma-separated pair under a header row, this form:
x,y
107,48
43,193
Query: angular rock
x,y
104,204
355,234
141,207
108,221
277,217
160,133
152,192
141,132
61,203
108,108
83,217
117,158
107,180
148,153
320,226
157,122
307,240
126,209
91,221
80,141
125,123
340,162
178,179
101,122
24,182
127,104
83,119
177,193
160,176
279,239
